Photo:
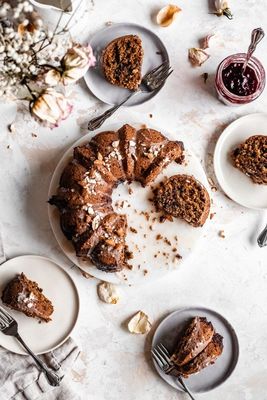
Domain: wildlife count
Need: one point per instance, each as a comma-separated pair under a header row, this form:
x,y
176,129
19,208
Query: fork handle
x,y
52,377
262,239
98,121
180,380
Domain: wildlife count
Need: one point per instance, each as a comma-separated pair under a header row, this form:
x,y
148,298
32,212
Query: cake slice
x,y
195,338
122,62
171,151
104,243
149,143
107,148
127,137
182,196
250,157
85,155
207,357
22,294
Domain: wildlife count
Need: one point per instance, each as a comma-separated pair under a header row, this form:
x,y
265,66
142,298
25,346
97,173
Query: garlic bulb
x,y
222,8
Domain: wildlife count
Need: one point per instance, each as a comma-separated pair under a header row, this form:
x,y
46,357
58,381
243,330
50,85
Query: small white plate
x,y
154,54
153,258
235,183
59,287
211,377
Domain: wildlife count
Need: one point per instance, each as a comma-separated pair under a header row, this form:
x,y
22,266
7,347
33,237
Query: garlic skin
x,y
76,62
205,42
197,56
108,293
50,108
167,15
139,324
222,8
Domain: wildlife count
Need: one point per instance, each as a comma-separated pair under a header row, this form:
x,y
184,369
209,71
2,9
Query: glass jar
x,y
233,99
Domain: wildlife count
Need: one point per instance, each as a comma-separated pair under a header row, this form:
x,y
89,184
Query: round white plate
x,y
235,183
209,378
154,54
59,287
153,258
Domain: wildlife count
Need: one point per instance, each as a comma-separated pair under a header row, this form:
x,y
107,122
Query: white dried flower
x,y
50,108
108,293
197,56
139,323
76,62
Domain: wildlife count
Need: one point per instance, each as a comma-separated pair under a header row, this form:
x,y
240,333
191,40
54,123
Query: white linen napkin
x,y
20,379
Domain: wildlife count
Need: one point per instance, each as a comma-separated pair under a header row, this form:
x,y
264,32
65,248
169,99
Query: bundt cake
x,y
198,347
196,336
122,61
250,157
184,197
84,197
22,294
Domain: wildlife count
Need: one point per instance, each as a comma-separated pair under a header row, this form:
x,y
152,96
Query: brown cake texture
x,y
84,196
122,62
250,157
198,347
207,357
182,196
22,294
195,338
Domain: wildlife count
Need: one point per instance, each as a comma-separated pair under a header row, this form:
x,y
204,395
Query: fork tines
x,y
5,318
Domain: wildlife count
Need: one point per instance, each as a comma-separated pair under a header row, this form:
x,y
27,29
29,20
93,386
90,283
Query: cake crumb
x,y
11,128
133,229
174,249
34,135
166,240
222,234
159,237
150,115
130,190
212,215
145,271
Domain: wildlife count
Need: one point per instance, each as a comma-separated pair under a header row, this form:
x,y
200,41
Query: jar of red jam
x,y
235,87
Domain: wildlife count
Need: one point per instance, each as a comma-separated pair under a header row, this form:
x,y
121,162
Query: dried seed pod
x,y
167,15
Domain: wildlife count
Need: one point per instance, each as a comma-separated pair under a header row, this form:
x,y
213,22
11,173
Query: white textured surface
x,y
228,274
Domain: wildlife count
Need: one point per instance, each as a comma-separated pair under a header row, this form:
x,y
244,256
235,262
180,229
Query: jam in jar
x,y
235,87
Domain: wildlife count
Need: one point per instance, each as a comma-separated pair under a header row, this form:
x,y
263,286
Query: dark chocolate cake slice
x,y
22,294
122,61
250,157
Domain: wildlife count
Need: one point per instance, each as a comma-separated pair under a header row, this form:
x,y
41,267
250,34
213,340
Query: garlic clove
x,y
108,293
139,323
197,56
167,15
206,41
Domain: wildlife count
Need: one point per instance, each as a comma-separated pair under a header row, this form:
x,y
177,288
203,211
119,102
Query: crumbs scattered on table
x,y
145,271
130,190
222,234
174,249
159,236
11,128
8,146
212,215
34,135
166,240
205,77
150,115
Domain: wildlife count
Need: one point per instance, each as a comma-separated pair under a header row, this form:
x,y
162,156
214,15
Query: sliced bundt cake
x,y
22,294
184,197
84,197
122,61
197,335
207,357
250,157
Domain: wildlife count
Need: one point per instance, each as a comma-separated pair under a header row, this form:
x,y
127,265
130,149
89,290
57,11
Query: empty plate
x,y
209,378
238,186
58,287
154,54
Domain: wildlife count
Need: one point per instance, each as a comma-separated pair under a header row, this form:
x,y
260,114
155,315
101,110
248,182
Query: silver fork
x,y
162,357
150,82
9,326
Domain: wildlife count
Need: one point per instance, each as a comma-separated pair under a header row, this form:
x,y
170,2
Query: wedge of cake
x,y
182,196
207,357
197,335
122,62
22,294
250,157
